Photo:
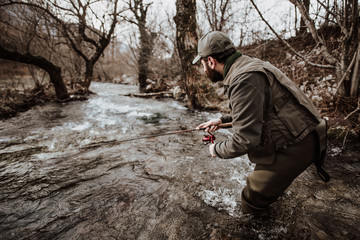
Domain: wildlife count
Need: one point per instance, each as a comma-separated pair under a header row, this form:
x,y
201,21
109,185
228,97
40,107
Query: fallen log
x,y
152,95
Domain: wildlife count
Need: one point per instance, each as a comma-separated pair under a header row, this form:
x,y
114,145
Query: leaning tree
x,y
26,39
84,28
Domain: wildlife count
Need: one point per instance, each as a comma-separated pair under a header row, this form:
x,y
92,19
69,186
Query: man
x,y
274,122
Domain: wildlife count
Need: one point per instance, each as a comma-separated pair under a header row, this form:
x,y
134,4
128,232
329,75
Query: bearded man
x,y
273,121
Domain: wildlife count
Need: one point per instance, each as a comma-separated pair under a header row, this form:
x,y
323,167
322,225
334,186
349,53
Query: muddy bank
x,y
14,101
64,175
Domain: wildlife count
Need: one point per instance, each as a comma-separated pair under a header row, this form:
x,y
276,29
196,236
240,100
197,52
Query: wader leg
x,y
262,202
267,182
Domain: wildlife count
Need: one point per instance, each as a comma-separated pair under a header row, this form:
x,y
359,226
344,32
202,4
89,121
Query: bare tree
x,y
347,20
88,41
41,62
302,28
24,39
186,40
139,10
342,61
90,37
231,17
75,20
218,13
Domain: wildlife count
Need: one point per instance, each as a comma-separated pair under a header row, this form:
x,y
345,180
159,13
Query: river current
x,y
63,174
67,173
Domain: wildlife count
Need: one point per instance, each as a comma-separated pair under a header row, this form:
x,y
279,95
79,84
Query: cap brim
x,y
198,57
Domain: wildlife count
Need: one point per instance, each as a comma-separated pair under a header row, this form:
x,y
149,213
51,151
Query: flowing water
x,y
66,173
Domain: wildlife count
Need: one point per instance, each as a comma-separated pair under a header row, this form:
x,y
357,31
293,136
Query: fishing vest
x,y
290,114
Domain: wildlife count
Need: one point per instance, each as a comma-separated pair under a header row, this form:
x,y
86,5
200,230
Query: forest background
x,y
53,50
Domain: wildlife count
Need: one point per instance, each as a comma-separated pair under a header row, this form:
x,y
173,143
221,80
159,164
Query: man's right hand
x,y
210,126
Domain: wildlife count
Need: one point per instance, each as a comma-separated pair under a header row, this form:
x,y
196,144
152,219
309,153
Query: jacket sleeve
x,y
226,118
247,102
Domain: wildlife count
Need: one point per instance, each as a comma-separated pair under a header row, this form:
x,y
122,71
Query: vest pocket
x,y
292,117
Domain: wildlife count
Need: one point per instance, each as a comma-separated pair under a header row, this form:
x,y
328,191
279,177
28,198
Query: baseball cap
x,y
212,43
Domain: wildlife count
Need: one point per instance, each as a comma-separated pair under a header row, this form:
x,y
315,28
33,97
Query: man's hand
x,y
210,125
211,150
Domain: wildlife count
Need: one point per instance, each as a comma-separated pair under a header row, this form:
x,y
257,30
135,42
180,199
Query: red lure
x,y
208,138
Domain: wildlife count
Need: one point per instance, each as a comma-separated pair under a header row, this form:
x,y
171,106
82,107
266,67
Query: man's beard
x,y
213,75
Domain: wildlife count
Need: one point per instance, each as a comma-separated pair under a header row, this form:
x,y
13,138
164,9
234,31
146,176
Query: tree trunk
x,y
140,9
144,56
186,40
146,47
354,89
303,27
53,71
143,72
57,80
89,72
355,77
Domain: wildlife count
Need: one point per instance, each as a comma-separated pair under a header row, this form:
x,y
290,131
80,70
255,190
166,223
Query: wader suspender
x,y
321,132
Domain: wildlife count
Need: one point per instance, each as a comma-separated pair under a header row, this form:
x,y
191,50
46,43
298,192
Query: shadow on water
x,y
65,174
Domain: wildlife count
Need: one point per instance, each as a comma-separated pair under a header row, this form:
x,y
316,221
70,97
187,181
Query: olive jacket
x,y
268,110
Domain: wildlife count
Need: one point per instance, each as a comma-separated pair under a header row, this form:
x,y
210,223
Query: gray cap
x,y
212,43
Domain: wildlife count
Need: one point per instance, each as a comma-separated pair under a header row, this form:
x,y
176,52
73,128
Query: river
x,y
67,173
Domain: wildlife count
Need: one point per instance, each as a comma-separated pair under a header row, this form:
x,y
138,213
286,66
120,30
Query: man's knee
x,y
253,202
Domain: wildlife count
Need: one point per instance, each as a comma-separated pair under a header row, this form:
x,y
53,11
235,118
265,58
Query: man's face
x,y
212,74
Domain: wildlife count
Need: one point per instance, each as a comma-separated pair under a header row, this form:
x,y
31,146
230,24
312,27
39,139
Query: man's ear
x,y
212,62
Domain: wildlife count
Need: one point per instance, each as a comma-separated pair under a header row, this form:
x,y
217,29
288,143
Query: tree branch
x,y
336,16
311,26
345,74
287,44
353,112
